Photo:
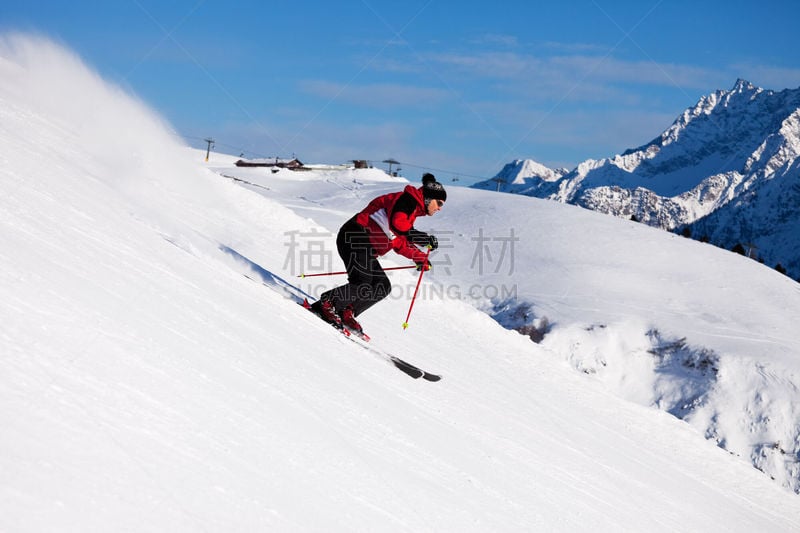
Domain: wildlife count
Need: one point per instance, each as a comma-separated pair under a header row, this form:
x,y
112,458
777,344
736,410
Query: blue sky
x,y
459,88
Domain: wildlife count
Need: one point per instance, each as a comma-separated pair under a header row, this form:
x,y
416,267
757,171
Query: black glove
x,y
425,264
420,238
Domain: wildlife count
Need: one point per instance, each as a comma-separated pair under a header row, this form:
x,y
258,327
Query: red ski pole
x,y
419,280
323,274
344,272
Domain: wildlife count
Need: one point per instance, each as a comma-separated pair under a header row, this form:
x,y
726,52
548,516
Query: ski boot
x,y
350,322
326,311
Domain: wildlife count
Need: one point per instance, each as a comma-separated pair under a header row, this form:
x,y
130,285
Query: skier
x,y
387,223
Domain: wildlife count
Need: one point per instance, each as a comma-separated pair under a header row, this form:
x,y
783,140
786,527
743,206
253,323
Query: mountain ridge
x,y
726,171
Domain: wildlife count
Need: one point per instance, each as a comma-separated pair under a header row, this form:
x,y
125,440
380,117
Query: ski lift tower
x,y
210,142
751,250
499,180
391,162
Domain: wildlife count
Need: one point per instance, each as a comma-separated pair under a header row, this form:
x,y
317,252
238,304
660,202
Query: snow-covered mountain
x,y
727,169
146,384
521,176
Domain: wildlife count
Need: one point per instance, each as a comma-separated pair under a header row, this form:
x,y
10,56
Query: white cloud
x,y
527,68
374,95
496,39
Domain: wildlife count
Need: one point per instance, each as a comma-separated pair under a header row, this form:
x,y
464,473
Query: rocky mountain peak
x,y
728,167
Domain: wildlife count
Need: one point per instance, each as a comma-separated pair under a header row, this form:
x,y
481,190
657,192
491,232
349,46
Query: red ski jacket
x,y
388,220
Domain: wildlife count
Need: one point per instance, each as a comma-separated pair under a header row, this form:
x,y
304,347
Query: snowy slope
x,y
146,385
704,334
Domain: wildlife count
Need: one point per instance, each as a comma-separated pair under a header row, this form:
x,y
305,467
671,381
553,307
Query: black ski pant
x,y
367,283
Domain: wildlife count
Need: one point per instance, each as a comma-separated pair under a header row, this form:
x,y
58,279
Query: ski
x,y
358,334
414,371
290,291
361,339
401,364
